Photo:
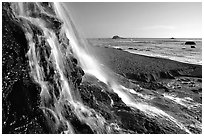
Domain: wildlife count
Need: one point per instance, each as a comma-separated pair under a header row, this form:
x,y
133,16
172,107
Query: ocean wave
x,y
175,58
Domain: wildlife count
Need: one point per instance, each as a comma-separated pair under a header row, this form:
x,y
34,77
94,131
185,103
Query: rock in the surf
x,y
190,43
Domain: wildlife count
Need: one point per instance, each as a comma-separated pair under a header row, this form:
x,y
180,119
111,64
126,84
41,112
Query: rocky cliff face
x,y
21,94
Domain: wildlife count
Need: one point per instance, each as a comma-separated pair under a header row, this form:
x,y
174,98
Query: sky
x,y
137,19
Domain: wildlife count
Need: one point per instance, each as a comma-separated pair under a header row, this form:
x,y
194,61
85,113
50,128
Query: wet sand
x,y
145,68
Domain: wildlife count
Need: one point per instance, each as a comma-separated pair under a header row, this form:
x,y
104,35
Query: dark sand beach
x,y
145,68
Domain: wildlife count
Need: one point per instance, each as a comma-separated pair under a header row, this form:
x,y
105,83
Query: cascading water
x,y
59,92
91,66
52,43
79,46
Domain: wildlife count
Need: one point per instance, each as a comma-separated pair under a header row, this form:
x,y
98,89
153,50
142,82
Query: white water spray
x,y
88,63
92,67
34,15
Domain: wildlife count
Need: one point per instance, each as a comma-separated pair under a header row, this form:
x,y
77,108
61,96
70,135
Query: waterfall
x,y
91,66
50,56
51,47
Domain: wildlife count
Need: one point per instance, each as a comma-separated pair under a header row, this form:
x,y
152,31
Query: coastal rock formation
x,y
20,94
21,112
117,37
190,43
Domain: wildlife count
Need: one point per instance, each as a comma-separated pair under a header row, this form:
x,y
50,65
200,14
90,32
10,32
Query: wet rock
x,y
48,7
86,95
130,48
197,90
184,79
199,80
166,75
119,49
190,43
139,77
77,72
81,128
151,77
20,93
138,123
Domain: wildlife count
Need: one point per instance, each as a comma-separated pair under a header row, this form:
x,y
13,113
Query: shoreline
x,y
166,57
174,58
144,68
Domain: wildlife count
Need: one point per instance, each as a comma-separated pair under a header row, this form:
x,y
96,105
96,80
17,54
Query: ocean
x,y
174,49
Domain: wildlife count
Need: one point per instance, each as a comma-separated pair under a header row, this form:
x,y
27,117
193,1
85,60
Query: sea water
x,y
174,49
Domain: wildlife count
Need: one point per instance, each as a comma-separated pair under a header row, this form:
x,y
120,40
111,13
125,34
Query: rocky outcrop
x,y
119,114
149,77
21,111
117,37
190,43
20,94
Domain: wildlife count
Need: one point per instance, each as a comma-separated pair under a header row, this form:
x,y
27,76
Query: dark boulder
x,y
118,48
190,43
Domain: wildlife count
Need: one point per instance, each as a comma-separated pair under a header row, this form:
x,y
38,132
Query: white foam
x,y
147,109
186,59
148,97
186,101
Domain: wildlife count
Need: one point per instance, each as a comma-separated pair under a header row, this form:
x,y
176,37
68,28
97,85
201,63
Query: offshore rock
x,y
117,37
190,43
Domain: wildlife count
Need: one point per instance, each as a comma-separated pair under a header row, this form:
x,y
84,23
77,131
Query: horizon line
x,y
148,37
